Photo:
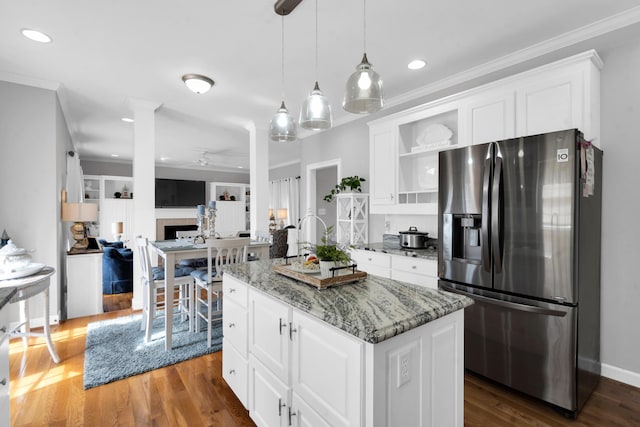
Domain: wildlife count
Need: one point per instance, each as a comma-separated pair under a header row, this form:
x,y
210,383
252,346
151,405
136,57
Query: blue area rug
x,y
116,349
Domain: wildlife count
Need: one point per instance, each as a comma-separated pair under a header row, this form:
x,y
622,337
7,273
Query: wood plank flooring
x,y
193,393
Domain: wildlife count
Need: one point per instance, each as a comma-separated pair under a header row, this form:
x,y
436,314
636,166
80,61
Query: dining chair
x,y
220,252
155,294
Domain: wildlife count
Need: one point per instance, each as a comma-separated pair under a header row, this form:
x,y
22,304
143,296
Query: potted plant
x,y
349,183
330,255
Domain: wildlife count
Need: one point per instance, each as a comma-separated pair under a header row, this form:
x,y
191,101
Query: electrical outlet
x,y
404,367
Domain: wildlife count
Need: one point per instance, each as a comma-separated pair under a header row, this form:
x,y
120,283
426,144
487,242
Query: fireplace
x,y
170,230
166,227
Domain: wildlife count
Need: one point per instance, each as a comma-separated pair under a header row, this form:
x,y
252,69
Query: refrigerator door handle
x,y
496,244
505,304
486,183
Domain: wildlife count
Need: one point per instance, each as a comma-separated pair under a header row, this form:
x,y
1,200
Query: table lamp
x,y
79,213
117,230
282,215
272,222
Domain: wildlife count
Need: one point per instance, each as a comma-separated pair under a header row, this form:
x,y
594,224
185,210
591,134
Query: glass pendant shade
x,y
283,127
316,111
363,93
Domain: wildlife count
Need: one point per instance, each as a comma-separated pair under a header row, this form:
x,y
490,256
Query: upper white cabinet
x,y
232,207
353,218
404,150
404,157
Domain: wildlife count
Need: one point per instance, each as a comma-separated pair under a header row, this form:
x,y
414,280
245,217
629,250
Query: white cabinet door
x,y
302,415
5,401
491,117
268,396
327,370
382,166
269,329
84,285
550,103
235,371
230,218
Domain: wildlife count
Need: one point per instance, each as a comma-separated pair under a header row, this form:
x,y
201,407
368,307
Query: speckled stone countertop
x,y
374,309
391,245
5,295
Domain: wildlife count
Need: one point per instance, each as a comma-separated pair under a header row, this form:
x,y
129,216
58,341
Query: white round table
x,y
28,287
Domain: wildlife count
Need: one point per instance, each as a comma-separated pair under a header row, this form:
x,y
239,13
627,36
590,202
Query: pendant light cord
x,y
364,25
282,58
316,40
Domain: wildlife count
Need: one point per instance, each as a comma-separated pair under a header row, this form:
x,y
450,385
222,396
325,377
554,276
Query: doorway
x,y
321,178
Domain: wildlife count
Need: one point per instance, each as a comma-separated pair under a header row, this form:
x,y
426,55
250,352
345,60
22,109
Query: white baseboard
x,y
622,375
37,322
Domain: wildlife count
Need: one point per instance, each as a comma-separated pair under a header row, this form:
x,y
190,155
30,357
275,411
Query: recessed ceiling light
x,y
240,167
115,155
164,159
417,64
197,83
127,119
35,35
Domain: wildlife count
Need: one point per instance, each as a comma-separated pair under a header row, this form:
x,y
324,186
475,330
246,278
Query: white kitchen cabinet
x,y
563,97
5,400
418,271
270,322
490,116
333,378
376,263
404,164
382,165
352,218
235,330
84,285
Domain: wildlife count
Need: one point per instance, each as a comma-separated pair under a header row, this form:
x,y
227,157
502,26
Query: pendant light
x,y
316,111
283,127
363,92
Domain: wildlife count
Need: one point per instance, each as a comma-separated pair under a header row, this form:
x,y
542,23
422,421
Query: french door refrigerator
x,y
519,222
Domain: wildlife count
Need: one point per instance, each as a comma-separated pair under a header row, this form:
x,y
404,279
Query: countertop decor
x,y
373,310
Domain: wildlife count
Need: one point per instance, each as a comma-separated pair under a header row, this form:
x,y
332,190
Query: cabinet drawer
x,y
234,290
235,322
235,370
369,257
415,265
416,279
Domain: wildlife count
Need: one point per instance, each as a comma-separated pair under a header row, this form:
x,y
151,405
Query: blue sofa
x,y
117,268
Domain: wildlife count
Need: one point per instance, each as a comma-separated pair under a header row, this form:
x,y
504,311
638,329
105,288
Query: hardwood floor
x,y
116,302
193,393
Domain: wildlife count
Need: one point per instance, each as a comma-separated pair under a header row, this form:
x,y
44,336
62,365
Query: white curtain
x,y
285,194
74,184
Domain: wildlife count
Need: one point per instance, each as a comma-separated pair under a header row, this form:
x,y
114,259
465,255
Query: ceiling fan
x,y
221,159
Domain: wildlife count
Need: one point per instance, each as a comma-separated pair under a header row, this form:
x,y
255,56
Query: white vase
x,y
325,269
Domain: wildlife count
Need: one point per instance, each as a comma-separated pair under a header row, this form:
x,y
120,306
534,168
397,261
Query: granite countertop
x,y
5,295
391,245
373,310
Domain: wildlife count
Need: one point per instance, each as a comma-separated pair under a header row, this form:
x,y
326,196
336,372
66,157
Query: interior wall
x,y
620,106
32,146
326,179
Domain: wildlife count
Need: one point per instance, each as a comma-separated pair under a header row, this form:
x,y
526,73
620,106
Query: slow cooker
x,y
413,239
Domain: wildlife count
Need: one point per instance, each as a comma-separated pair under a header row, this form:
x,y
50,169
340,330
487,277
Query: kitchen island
x,y
372,353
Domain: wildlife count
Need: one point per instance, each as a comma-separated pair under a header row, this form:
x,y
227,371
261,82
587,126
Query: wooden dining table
x,y
172,251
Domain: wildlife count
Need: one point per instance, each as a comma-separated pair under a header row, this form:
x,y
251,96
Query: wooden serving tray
x,y
341,277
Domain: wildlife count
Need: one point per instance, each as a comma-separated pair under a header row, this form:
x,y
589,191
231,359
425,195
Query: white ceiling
x,y
105,53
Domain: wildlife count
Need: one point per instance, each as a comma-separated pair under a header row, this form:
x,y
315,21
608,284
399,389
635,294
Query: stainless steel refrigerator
x,y
519,222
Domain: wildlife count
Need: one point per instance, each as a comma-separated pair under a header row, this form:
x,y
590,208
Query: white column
x,y
144,149
259,177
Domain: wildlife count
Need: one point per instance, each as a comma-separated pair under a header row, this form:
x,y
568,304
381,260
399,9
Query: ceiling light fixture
x,y
127,120
417,64
115,155
316,111
283,127
363,92
35,35
197,83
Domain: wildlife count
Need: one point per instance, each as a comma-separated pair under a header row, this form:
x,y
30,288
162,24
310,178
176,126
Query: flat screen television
x,y
179,193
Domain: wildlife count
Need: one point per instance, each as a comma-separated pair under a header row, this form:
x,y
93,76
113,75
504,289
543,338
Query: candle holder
x,y
211,222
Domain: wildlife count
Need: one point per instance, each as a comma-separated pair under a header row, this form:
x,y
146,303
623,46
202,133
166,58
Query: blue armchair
x,y
117,270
